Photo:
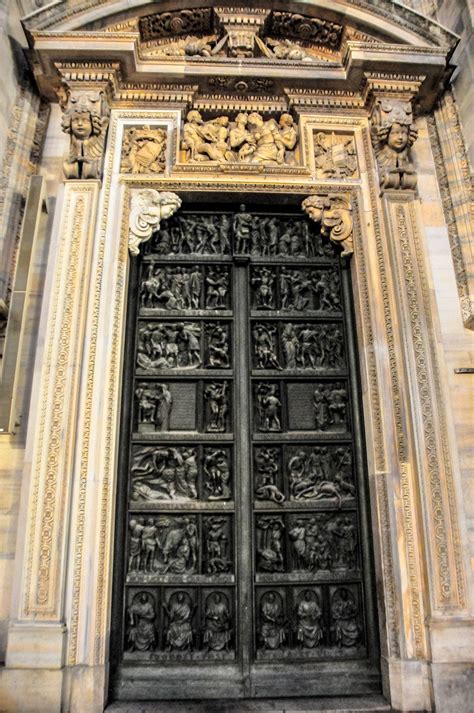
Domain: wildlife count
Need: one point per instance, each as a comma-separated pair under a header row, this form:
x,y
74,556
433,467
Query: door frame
x,y
413,476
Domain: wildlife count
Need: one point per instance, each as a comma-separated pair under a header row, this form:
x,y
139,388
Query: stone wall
x,y
457,15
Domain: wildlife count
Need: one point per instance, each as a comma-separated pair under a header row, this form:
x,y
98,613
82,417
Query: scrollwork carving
x,y
148,208
334,214
305,28
393,134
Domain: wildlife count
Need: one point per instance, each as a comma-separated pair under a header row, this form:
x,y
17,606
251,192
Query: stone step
x,y
372,704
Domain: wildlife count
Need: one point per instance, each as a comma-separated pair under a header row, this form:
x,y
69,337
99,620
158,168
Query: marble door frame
x,y
61,617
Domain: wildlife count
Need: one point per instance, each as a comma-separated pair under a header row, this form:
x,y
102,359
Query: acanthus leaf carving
x,y
147,209
334,214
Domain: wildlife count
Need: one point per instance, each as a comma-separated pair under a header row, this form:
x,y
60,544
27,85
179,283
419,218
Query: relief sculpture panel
x,y
242,385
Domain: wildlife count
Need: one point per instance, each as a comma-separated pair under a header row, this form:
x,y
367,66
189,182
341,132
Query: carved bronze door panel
x,y
243,562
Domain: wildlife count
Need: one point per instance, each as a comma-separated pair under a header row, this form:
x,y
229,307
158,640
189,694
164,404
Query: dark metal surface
x,y
243,560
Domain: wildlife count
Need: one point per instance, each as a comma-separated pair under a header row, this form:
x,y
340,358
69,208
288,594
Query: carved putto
x,y
148,208
144,150
393,134
334,214
249,138
85,119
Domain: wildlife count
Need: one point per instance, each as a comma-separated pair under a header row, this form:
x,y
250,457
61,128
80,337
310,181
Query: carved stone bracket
x,y
148,208
393,134
334,214
86,120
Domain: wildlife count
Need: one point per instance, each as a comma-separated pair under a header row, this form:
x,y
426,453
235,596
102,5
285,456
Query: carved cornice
x,y
148,208
77,13
403,70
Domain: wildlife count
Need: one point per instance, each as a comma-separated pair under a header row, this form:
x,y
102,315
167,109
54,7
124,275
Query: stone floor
x,y
373,704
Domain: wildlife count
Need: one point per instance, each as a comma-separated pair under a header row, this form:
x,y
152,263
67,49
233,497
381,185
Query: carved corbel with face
x,y
393,134
86,120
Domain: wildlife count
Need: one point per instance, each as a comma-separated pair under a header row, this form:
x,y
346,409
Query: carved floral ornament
x,y
148,208
334,214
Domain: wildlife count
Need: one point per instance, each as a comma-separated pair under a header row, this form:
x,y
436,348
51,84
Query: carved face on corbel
x,y
397,138
81,125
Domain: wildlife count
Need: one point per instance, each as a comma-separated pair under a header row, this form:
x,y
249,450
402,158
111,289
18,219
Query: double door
x,y
243,563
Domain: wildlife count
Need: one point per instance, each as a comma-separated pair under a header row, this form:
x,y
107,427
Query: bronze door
x,y
243,563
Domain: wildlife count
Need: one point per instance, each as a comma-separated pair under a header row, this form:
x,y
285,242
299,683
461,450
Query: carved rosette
x,y
148,208
86,120
334,214
393,134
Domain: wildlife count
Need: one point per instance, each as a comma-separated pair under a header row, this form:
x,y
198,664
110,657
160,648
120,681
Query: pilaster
x,y
37,635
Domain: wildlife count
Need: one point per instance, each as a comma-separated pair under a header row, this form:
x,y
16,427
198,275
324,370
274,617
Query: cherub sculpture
x,y
86,120
393,134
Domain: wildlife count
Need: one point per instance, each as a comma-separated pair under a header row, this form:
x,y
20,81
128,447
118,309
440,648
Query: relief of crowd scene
x,y
183,345
166,545
184,288
240,233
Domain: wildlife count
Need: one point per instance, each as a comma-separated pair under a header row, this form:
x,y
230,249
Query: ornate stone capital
x,y
334,215
86,120
148,208
393,134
